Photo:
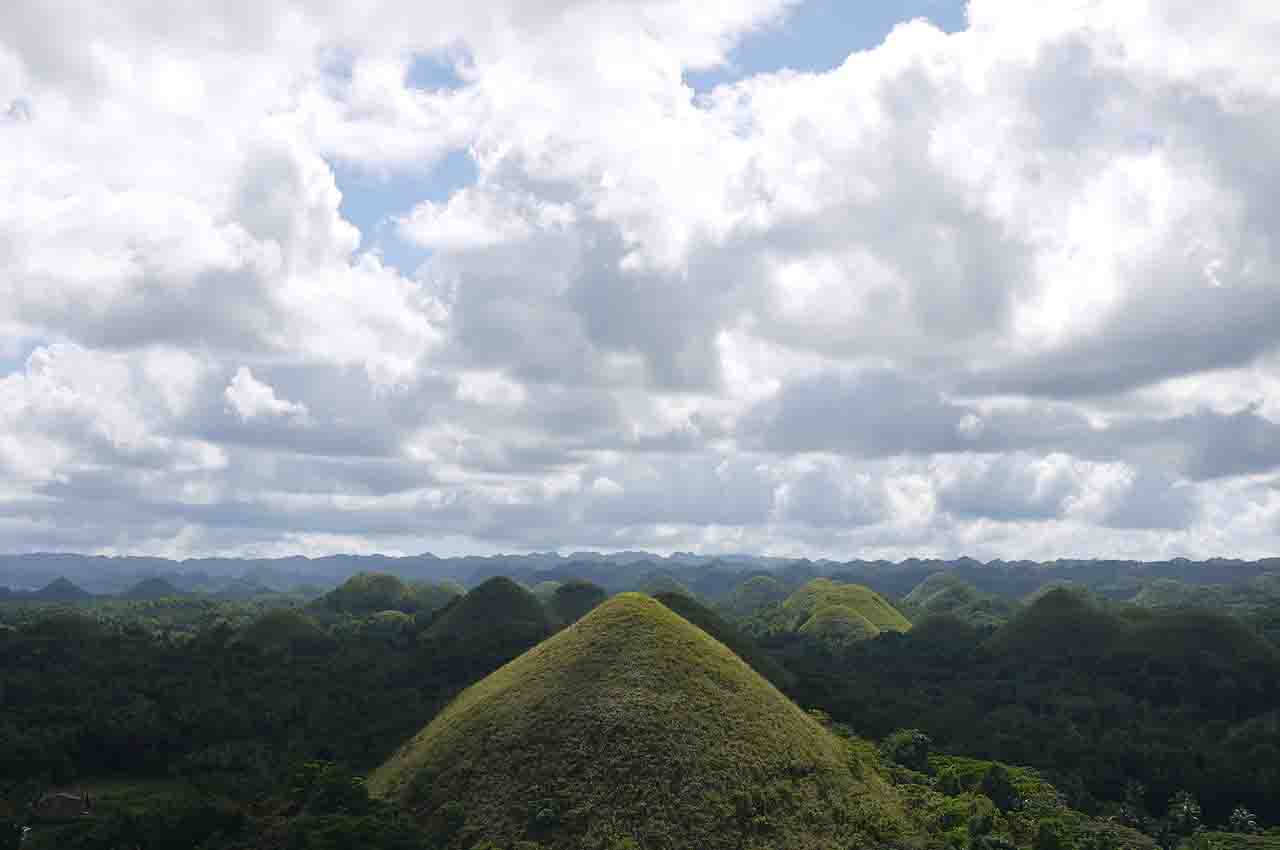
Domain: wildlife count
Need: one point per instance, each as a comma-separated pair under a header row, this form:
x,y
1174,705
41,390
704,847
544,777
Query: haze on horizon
x,y
770,276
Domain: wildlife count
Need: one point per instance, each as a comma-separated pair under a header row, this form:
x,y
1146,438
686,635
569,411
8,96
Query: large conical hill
x,y
633,728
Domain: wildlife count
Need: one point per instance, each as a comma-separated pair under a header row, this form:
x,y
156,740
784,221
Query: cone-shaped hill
x,y
60,589
947,593
821,597
662,582
632,727
152,588
367,592
498,609
284,630
838,625
754,594
1062,621
573,600
1175,634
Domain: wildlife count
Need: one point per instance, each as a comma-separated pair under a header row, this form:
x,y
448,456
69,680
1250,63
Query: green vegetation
x,y
1083,723
946,593
634,726
753,595
152,588
545,590
837,625
829,613
499,609
284,630
729,635
656,583
573,600
1061,621
365,593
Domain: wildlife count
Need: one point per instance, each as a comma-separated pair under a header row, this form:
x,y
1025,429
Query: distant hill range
x,y
701,576
60,589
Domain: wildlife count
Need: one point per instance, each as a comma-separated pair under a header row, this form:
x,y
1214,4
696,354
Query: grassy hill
x,y
284,630
365,593
947,593
662,582
1206,633
753,594
728,634
573,600
152,588
545,590
1061,621
634,728
497,609
824,595
838,625
60,589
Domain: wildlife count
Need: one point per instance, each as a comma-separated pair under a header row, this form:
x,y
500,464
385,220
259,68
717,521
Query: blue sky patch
x,y
433,71
372,201
820,34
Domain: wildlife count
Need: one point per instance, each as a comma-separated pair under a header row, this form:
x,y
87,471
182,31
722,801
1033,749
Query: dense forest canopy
x,y
248,719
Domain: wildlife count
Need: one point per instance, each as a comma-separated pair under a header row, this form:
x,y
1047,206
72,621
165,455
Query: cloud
x,y
1008,291
251,398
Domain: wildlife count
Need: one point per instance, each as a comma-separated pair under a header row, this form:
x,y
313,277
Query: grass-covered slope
x,y
825,594
838,625
633,728
729,635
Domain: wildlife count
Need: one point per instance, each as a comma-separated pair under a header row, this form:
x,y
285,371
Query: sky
x,y
789,277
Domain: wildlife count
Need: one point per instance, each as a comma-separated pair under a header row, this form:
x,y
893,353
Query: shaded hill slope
x,y
152,588
1062,621
497,610
948,593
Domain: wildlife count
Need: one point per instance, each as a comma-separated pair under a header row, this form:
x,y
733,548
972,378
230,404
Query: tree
x,y
997,785
909,748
